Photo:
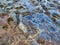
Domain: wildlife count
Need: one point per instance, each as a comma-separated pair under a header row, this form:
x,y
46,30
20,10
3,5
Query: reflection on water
x,y
29,22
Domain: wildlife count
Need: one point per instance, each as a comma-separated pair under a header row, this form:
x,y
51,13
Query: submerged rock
x,y
36,21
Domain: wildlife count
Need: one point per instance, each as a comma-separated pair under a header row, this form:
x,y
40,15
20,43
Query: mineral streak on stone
x,y
29,22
